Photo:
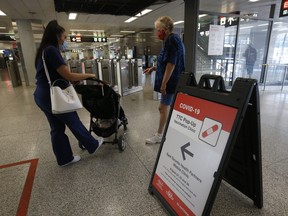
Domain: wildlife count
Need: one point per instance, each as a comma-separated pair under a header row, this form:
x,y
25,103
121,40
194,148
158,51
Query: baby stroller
x,y
106,114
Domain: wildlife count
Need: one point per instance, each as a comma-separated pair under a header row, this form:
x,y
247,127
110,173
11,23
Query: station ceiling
x,y
116,7
109,15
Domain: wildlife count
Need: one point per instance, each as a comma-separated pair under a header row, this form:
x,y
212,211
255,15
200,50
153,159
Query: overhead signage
x,y
216,40
79,39
228,21
196,138
7,38
284,8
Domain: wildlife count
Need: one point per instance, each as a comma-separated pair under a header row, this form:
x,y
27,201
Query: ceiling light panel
x,y
142,13
72,16
131,19
178,22
127,31
2,13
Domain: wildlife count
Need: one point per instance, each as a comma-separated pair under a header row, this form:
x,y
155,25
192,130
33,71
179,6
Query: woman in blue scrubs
x,y
53,39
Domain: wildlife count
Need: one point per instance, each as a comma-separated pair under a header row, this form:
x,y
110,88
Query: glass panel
x,y
278,57
216,64
251,47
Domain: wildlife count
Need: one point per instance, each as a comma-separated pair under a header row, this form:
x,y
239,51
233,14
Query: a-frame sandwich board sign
x,y
202,130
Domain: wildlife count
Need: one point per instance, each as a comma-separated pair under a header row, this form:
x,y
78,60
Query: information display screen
x,y
284,8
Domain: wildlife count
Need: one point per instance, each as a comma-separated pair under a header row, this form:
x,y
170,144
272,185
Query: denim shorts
x,y
167,99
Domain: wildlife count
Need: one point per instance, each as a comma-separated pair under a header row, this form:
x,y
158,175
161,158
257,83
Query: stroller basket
x,y
104,132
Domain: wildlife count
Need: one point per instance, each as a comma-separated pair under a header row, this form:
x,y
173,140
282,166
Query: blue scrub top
x,y
53,61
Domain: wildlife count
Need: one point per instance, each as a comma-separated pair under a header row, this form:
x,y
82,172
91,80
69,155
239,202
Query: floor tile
x,y
116,183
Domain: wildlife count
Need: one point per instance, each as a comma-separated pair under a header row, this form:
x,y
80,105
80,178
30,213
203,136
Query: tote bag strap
x,y
46,69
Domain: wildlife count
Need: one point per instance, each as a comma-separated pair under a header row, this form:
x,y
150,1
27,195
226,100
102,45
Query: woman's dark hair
x,y
51,32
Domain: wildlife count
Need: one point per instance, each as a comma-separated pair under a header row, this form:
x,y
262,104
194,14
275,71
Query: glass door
x,y
212,58
251,47
244,51
277,71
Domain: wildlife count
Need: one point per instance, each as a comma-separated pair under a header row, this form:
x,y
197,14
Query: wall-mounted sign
x,y
216,40
284,8
7,38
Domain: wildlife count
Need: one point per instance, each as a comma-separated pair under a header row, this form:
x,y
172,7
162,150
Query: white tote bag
x,y
62,100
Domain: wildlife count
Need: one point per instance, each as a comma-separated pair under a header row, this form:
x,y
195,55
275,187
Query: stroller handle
x,y
97,80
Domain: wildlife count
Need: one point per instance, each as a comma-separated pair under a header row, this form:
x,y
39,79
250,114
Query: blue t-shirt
x,y
172,52
53,61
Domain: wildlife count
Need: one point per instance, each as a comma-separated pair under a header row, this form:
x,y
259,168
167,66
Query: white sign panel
x,y
195,142
216,40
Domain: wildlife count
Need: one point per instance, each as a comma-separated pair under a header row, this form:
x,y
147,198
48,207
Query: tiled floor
x,y
114,183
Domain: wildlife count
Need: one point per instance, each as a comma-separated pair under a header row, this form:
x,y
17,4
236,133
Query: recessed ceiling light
x,y
178,22
142,13
253,0
116,35
127,31
131,19
96,30
202,15
2,13
83,30
72,16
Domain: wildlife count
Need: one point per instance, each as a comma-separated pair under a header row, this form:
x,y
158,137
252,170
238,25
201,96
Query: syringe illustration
x,y
210,130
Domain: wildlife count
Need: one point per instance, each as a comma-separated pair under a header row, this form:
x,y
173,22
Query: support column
x,y
190,34
28,50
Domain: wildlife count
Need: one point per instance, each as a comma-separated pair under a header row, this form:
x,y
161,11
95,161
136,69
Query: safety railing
x,y
276,69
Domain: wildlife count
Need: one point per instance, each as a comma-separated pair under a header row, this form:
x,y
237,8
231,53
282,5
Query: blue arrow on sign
x,y
184,150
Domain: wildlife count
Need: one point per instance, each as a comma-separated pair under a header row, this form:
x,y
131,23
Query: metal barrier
x,y
266,71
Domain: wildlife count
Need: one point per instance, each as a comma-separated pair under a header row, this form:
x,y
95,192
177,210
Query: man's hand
x,y
149,70
163,89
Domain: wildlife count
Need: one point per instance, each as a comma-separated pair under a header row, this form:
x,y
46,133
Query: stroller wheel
x,y
81,146
121,143
125,127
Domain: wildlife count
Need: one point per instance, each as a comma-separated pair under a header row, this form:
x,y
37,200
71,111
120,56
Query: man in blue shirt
x,y
170,64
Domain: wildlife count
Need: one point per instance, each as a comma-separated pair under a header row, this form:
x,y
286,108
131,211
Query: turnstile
x,y
107,71
74,66
112,72
130,76
88,64
124,76
14,73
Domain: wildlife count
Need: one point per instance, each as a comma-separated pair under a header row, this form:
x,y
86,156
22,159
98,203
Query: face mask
x,y
64,46
161,34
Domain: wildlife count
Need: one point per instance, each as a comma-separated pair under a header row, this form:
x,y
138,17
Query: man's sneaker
x,y
100,142
75,160
155,139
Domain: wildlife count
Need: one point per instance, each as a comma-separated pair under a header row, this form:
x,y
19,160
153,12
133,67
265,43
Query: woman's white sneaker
x,y
100,142
75,160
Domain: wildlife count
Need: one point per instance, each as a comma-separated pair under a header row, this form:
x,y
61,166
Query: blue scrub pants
x,y
60,142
